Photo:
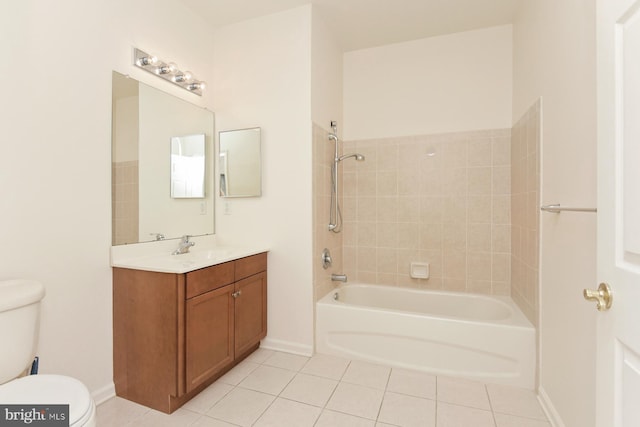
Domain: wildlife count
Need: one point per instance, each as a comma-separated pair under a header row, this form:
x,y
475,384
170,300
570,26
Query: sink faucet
x,y
183,246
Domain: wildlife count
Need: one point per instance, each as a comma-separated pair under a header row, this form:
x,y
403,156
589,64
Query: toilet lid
x,y
49,390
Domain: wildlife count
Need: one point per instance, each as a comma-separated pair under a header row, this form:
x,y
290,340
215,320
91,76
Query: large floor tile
x,y
310,389
326,366
462,392
367,374
118,412
463,416
284,412
413,383
515,401
241,406
180,417
292,362
208,397
503,420
407,411
238,372
337,419
260,355
356,400
205,421
267,379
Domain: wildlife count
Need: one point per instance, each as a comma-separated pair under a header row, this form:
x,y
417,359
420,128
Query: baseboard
x,y
103,394
549,409
287,347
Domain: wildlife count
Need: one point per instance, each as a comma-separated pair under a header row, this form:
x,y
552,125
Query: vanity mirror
x,y
240,163
149,202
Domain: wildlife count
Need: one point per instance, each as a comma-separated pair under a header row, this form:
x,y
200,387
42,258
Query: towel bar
x,y
556,208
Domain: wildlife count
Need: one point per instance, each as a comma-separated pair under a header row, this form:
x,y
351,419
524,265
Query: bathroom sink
x,y
204,255
193,260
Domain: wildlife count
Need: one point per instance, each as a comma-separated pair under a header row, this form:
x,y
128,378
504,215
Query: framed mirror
x,y
145,202
240,163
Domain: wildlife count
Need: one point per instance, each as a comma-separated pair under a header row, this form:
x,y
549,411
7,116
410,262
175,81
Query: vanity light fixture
x,y
168,71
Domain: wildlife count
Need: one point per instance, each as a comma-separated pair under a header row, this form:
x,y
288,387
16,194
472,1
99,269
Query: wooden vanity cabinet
x,y
174,334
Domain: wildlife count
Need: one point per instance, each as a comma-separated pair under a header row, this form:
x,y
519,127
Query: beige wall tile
x,y
451,209
454,236
479,237
501,180
501,238
387,209
479,181
479,153
431,236
479,266
501,151
454,209
454,265
387,183
387,234
408,235
367,207
479,209
408,181
409,208
454,154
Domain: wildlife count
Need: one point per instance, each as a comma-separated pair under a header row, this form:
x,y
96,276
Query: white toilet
x,y
19,326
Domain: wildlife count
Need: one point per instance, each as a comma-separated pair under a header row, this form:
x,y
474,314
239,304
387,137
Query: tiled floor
x,y
284,390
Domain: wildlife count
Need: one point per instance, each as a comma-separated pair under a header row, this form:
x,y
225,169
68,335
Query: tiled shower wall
x,y
125,208
525,208
442,199
323,152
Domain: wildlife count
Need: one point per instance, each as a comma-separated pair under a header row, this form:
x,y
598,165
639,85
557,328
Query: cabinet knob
x,y
236,294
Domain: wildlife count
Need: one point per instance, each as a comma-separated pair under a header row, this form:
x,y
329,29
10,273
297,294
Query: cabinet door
x,y
209,334
251,311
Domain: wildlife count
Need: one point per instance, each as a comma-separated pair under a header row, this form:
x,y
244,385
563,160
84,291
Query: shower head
x,y
358,157
334,137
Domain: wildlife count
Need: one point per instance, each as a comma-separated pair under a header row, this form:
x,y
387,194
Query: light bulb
x,y
196,86
147,60
169,68
183,78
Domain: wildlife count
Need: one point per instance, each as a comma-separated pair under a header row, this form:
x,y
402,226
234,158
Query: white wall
x,y
451,83
326,75
262,78
554,57
55,116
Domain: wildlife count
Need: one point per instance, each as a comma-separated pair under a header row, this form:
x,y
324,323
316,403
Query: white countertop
x,y
156,256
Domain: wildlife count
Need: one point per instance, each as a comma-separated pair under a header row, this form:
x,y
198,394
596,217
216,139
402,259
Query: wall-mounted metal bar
x,y
557,209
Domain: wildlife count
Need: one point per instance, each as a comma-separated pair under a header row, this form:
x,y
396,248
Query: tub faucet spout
x,y
339,277
184,246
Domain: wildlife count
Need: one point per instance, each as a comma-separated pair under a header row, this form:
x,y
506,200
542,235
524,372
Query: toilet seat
x,y
52,389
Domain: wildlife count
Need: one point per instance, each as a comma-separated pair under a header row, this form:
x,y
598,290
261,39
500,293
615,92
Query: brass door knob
x,y
602,296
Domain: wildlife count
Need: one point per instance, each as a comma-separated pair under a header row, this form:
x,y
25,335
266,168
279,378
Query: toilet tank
x,y
19,325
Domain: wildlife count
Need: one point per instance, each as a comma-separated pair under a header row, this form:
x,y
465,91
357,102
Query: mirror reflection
x,y
240,163
145,120
187,166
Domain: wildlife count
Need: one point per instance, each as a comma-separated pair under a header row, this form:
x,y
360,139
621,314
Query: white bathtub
x,y
483,338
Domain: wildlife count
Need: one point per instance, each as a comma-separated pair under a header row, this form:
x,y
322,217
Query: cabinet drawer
x,y
207,279
251,265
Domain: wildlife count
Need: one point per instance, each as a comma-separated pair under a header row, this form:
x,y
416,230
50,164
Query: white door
x,y
618,334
